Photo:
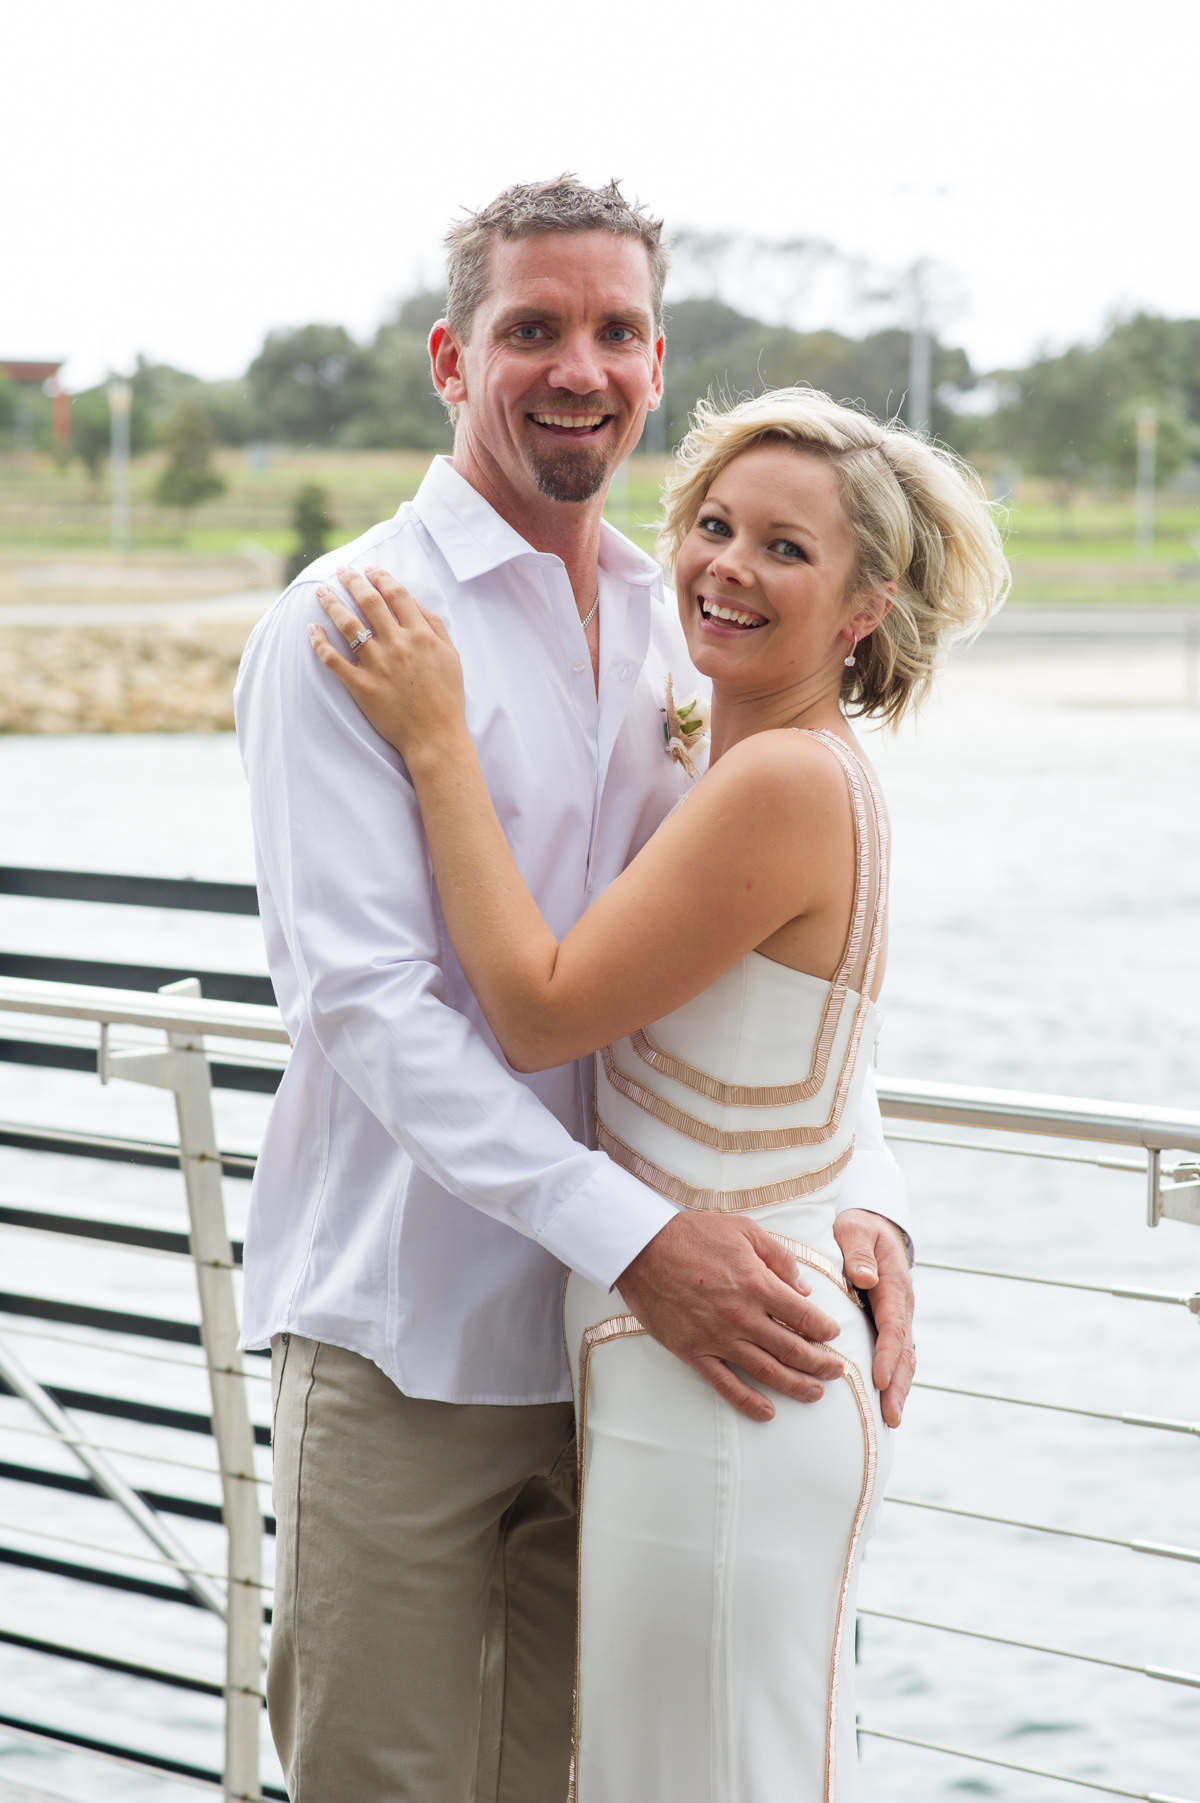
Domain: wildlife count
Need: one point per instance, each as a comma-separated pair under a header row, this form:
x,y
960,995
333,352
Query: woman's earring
x,y
851,661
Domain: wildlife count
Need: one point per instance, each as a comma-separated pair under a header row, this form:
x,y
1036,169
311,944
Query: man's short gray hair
x,y
528,209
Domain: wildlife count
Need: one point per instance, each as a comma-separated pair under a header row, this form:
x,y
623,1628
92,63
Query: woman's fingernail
x,y
312,633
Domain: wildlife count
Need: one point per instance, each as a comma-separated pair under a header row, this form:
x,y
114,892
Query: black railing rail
x,y
215,985
129,891
98,1323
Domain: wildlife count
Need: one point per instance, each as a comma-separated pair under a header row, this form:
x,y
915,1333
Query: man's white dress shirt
x,y
415,1199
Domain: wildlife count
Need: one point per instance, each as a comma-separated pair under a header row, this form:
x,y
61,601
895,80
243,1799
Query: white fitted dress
x,y
718,1556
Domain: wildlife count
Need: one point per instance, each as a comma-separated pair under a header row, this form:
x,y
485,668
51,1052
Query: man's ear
x,y
446,358
656,386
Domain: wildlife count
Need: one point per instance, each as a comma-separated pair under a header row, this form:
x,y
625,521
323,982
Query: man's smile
x,y
570,425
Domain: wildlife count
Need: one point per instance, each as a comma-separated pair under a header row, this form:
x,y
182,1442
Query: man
x,y
416,1201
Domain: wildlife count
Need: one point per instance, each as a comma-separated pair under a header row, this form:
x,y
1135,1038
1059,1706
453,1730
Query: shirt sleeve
x,y
342,854
873,1180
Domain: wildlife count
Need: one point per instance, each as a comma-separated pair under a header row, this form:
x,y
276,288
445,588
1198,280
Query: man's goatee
x,y
570,474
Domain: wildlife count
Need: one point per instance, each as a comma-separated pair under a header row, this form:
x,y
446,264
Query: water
x,y
1046,903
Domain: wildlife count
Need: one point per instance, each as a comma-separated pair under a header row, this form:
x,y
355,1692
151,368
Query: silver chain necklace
x,y
591,612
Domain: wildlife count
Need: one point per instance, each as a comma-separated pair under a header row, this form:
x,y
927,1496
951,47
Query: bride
x,y
729,983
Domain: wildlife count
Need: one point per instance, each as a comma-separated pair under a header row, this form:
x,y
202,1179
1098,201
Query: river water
x,y
1045,935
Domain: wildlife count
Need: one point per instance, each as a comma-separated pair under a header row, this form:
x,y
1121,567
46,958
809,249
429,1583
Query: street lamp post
x,y
1147,448
919,409
119,399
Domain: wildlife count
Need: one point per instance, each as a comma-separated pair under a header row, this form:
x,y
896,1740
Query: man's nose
x,y
577,365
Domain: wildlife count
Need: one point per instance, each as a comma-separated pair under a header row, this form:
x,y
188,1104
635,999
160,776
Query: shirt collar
x,y
474,539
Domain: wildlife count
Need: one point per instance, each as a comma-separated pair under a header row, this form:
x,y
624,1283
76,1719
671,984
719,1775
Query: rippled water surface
x,y
1045,935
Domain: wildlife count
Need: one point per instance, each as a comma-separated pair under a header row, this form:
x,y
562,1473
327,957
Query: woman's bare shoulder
x,y
781,767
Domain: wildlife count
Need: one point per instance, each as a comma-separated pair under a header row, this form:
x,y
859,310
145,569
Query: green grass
x,y
1086,552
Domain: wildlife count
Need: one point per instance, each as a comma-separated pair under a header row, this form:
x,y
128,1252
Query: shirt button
x,y
626,672
578,665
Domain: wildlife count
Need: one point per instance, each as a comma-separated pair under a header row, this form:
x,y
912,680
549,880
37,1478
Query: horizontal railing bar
x,y
48,1054
126,1008
183,893
1159,1549
197,1776
158,1154
91,1574
1011,1765
215,985
105,1662
1159,1422
116,1552
139,1352
83,1314
152,1414
154,1499
82,1227
129,1452
1123,1291
1033,1646
1056,1117
981,1145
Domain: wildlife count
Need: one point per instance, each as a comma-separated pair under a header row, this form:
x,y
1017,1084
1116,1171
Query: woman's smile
x,y
726,618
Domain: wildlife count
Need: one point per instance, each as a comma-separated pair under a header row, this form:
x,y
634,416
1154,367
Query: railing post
x,y
232,1429
184,1070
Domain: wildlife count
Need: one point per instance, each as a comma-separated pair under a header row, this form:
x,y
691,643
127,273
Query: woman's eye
x,y
787,547
716,528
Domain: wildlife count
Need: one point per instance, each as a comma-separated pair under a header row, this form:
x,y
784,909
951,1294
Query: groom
x,y
416,1201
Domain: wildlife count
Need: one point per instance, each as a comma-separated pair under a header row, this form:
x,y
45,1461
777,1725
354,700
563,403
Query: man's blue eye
x,y
528,332
623,330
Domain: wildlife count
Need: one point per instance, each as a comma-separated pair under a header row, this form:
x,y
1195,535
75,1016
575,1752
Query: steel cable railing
x,y
1152,1131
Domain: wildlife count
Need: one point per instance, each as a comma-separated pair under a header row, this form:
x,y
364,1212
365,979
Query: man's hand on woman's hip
x,y
876,1259
718,1293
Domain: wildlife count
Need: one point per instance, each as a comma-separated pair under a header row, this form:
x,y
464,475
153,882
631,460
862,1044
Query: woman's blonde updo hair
x,y
918,514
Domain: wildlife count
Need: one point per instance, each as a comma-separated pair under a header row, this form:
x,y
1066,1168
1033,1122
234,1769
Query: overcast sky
x,y
176,178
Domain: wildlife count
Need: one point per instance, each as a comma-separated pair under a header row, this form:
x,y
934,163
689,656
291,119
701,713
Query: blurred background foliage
x,y
1069,415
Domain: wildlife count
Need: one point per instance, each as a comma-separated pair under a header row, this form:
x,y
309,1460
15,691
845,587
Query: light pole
x,y
119,399
1147,447
918,411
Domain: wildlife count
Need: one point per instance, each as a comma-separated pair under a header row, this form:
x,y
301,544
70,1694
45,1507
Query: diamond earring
x,y
851,661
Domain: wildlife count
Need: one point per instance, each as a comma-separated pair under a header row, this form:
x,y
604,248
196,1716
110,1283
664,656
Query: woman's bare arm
x,y
753,849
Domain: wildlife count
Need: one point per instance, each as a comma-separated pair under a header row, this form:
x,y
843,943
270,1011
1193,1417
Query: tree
x,y
189,476
91,425
713,347
307,383
311,520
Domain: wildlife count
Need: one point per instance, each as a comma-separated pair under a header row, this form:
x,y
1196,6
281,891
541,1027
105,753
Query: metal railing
x,y
182,1021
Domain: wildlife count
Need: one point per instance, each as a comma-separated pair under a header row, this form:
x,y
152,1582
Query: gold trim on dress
x,y
858,1388
616,1327
718,1139
718,1201
806,1255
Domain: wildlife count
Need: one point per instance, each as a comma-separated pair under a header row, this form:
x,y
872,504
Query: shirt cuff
x,y
875,1182
600,1230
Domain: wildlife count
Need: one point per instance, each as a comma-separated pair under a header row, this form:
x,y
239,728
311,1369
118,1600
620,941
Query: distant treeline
x,y
1071,416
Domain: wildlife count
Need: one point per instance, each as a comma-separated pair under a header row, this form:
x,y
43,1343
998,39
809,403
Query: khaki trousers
x,y
423,1644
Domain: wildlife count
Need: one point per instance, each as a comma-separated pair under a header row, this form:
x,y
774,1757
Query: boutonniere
x,y
685,728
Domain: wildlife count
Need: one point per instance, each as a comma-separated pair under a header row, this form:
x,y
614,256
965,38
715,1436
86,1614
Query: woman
x,y
730,980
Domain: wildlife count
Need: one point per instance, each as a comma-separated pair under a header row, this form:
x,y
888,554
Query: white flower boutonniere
x,y
685,728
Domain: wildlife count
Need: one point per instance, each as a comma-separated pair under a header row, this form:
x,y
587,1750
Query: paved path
x,y
249,605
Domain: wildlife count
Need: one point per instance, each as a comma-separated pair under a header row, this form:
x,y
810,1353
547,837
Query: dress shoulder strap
x,y
872,837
